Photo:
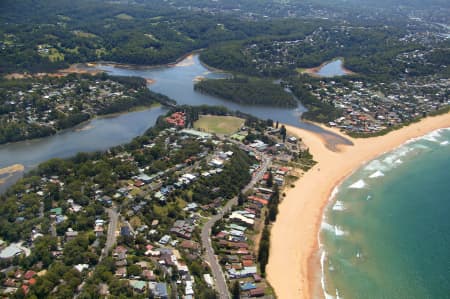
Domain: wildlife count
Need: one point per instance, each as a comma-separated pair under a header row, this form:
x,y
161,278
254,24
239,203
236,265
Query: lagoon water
x,y
178,81
386,234
99,134
332,69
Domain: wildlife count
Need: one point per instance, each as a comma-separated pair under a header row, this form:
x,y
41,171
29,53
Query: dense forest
x,y
318,110
378,53
249,91
33,38
380,42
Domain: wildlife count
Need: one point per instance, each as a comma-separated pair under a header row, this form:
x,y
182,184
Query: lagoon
x,y
176,81
332,69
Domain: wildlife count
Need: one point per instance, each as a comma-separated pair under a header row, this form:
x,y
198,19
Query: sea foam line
x,y
360,184
364,166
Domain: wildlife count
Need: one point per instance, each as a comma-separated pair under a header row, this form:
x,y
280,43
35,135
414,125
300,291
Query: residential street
x,y
219,277
112,227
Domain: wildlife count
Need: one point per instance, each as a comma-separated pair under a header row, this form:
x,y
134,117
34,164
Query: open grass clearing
x,y
219,124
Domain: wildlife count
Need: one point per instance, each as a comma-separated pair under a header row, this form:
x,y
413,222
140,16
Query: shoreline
x,y
294,263
79,127
84,68
313,71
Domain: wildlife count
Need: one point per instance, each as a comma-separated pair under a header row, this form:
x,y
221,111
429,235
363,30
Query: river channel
x,y
175,81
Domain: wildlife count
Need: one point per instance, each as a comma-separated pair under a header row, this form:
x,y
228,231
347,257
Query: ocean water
x,y
386,231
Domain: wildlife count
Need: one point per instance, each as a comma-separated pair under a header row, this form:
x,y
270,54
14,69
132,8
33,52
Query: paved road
x,y
112,227
219,277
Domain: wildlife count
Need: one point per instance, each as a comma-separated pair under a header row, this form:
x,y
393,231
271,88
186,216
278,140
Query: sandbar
x,y
294,269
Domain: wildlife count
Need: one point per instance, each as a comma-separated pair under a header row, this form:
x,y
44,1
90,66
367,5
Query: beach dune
x,y
293,269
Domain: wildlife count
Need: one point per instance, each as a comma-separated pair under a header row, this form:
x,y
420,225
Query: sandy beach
x,y
7,172
293,268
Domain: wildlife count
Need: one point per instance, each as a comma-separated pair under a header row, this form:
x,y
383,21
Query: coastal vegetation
x,y
250,91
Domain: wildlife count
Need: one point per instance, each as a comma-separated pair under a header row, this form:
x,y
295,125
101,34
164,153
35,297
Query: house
x,y
144,178
71,234
25,289
247,263
292,139
187,244
164,240
208,279
11,251
103,289
258,200
149,275
279,180
258,292
242,219
121,272
56,212
29,274
248,286
138,183
216,163
183,229
160,290
155,223
81,267
98,231
125,231
138,285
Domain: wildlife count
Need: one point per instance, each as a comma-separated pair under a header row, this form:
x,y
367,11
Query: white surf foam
x,y
376,174
433,136
339,206
327,227
322,279
358,185
334,192
338,231
444,142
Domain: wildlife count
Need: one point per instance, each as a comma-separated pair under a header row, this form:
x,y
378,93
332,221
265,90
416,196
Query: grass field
x,y
124,16
219,124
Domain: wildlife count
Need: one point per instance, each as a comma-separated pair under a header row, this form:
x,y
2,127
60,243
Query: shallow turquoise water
x,y
386,234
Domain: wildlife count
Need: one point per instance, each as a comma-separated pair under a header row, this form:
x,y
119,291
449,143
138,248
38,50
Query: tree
x,y
134,270
241,199
263,252
269,181
236,292
283,133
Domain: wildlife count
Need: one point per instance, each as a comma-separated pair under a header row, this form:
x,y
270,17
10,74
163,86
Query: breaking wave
x,y
376,174
338,206
358,185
